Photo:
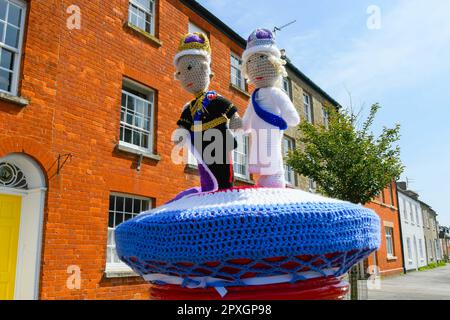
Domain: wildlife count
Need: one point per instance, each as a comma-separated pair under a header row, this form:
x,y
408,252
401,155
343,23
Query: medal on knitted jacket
x,y
202,103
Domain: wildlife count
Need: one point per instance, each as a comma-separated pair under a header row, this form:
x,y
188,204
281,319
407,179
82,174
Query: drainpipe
x,y
400,228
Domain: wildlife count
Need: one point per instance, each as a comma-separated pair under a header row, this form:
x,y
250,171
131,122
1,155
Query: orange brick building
x,y
389,258
88,105
61,128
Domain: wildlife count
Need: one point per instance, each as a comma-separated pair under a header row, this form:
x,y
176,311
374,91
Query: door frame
x,y
29,250
29,246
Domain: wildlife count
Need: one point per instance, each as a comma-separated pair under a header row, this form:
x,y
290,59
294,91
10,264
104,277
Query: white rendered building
x,y
413,239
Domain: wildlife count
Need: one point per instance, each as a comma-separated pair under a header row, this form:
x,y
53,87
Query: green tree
x,y
348,161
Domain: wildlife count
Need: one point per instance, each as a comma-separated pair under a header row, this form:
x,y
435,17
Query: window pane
x,y
129,205
111,220
145,4
119,204
5,80
7,59
2,31
112,203
130,104
130,118
3,4
136,206
124,100
136,138
119,218
14,15
127,137
145,141
12,36
139,106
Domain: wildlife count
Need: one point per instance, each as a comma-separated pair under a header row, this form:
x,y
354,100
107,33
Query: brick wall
x,y
73,79
387,210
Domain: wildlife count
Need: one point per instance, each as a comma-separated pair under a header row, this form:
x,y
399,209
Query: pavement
x,y
431,284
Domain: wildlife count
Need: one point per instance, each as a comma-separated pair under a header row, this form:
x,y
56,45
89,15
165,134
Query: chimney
x,y
402,185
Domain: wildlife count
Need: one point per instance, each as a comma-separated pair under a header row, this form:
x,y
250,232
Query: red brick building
x,y
88,105
389,258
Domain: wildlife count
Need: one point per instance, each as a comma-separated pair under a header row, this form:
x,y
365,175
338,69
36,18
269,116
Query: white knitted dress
x,y
266,157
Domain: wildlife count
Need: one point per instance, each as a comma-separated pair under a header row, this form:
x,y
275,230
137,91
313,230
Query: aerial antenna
x,y
409,181
284,26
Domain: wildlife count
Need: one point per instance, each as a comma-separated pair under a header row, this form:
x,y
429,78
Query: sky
x,y
396,53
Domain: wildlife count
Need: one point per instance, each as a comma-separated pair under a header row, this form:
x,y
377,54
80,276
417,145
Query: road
x,y
418,285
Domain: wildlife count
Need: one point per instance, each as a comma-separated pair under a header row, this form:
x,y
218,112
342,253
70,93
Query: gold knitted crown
x,y
194,44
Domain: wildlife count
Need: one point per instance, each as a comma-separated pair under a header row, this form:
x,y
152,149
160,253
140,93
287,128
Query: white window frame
x,y
411,213
150,11
192,27
326,118
416,210
420,249
238,152
312,185
289,172
405,211
119,267
409,249
307,103
287,87
151,112
17,52
389,241
235,58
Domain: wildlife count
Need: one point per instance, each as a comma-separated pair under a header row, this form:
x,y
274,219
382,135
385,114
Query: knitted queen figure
x,y
270,111
207,119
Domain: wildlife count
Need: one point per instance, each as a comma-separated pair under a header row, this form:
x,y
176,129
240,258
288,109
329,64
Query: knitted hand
x,y
235,122
180,136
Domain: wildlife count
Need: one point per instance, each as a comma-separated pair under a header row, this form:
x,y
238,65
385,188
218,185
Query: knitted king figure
x,y
270,111
207,115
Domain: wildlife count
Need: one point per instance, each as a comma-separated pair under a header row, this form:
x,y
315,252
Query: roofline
x,y
428,206
212,19
219,24
405,193
311,83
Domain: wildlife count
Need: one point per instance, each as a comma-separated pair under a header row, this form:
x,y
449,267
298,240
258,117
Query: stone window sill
x,y
384,205
191,168
392,258
20,101
120,273
128,149
245,180
151,38
236,88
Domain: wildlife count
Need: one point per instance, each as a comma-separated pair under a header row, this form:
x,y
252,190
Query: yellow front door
x,y
9,238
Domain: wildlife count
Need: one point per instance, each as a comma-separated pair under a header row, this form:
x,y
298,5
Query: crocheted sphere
x,y
238,234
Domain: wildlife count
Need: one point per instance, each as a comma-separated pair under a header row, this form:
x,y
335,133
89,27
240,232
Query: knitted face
x,y
193,72
262,71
